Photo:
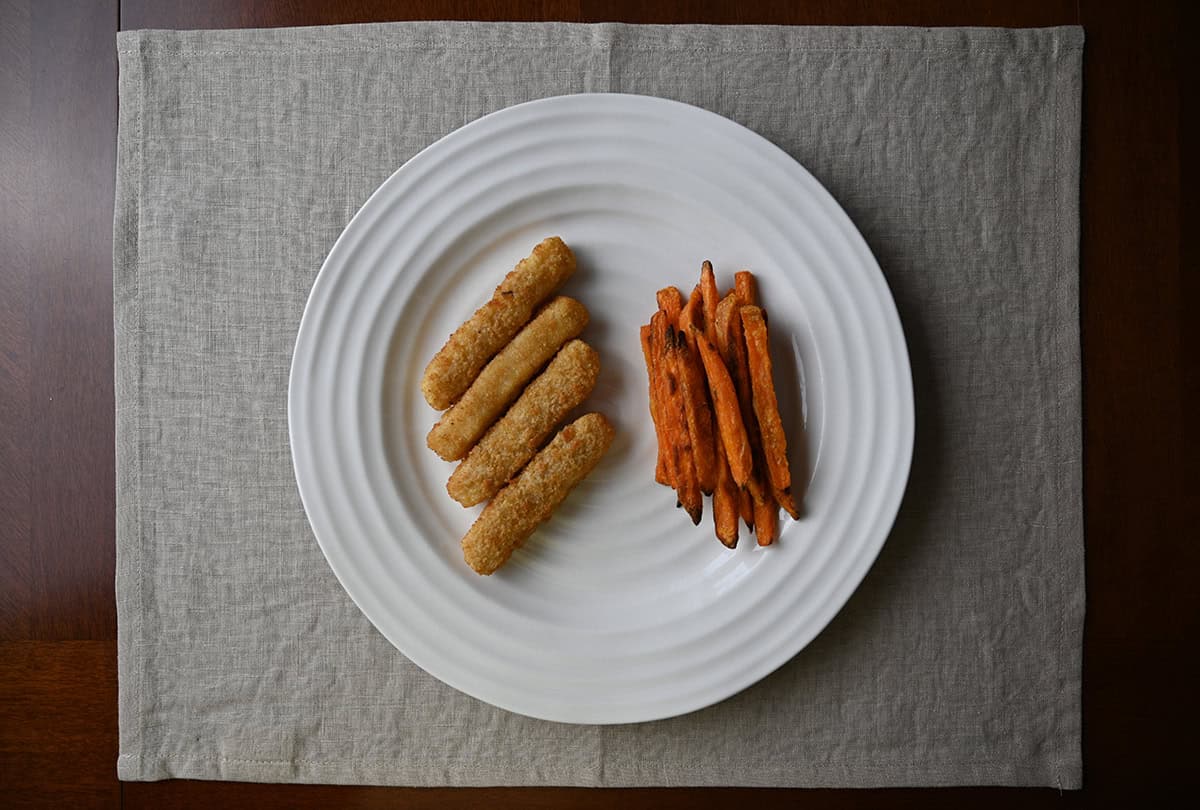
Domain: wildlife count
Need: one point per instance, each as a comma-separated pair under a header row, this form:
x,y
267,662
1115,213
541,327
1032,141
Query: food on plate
x,y
710,297
766,521
727,497
745,288
766,408
670,301
729,415
453,369
727,338
503,378
530,499
756,497
508,382
661,473
732,348
725,501
709,365
518,434
695,395
667,344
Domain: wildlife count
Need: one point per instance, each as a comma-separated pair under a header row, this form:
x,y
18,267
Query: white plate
x,y
618,610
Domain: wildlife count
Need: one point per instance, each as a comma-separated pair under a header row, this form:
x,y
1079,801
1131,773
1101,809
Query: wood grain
x,y
196,795
1138,536
57,657
58,724
269,14
1016,13
59,356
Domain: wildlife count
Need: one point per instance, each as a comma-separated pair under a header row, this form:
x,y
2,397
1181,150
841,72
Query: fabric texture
x,y
243,154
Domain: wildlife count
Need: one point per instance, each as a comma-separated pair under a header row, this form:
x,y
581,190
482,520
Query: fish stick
x,y
502,380
766,408
518,434
457,364
517,510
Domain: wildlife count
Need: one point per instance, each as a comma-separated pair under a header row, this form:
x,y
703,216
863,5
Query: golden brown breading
x,y
518,509
502,380
518,434
457,364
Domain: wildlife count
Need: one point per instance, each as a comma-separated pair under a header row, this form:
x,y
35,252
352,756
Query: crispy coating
x,y
457,364
502,380
518,434
529,501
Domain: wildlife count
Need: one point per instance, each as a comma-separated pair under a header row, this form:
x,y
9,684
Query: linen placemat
x,y
243,154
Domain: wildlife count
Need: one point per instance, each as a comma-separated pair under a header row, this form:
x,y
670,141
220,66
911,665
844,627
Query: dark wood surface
x,y
58,721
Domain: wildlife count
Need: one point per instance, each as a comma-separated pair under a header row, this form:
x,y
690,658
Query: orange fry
x,y
746,507
732,345
670,301
695,394
727,307
745,287
726,497
692,313
710,295
729,415
698,413
680,465
766,521
660,468
788,501
766,407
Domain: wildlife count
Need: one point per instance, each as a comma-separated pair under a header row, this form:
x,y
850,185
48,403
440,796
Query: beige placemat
x,y
242,155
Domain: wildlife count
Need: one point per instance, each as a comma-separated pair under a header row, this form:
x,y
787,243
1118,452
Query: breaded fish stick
x,y
514,439
455,366
502,379
518,509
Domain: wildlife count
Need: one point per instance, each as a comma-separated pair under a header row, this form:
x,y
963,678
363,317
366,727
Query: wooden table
x,y
58,119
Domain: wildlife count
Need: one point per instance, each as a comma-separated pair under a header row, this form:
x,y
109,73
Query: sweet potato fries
x,y
715,411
